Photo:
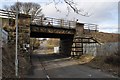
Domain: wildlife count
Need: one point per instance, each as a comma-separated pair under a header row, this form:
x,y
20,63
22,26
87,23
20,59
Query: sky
x,y
104,13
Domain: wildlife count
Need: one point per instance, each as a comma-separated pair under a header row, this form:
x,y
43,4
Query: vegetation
x,y
9,53
33,9
35,43
113,59
8,62
109,64
8,65
106,37
54,42
51,43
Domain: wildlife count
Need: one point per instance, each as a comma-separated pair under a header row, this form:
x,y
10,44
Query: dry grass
x,y
99,63
85,58
106,37
113,60
43,51
8,62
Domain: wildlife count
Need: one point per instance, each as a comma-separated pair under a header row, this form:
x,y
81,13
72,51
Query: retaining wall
x,y
100,50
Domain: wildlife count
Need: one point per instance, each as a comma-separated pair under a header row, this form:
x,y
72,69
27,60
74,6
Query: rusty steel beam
x,y
47,29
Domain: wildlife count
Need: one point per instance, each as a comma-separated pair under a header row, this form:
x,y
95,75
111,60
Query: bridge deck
x,y
52,27
50,31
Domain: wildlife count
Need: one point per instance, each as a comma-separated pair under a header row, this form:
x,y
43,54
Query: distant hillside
x,y
100,36
106,37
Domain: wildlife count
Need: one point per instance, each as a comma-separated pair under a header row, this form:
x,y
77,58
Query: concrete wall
x,y
4,36
65,46
56,49
90,49
108,48
101,50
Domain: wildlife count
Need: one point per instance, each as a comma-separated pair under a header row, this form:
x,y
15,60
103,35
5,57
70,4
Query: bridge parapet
x,y
47,21
7,14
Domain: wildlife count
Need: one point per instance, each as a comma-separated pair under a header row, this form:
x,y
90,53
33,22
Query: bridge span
x,y
45,27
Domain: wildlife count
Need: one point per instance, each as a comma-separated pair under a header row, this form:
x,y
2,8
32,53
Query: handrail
x,y
7,14
90,26
47,21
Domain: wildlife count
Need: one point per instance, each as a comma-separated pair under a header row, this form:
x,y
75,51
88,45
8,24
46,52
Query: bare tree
x,y
72,5
34,9
30,8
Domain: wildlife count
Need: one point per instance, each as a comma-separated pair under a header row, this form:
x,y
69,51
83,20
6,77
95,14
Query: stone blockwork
x,y
24,42
23,30
79,29
66,44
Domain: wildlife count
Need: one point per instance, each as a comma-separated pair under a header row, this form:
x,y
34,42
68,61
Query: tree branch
x,y
75,9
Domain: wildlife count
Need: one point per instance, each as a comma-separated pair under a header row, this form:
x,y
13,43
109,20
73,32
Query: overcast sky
x,y
104,13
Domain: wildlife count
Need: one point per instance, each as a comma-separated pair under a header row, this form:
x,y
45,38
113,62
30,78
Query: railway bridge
x,y
72,34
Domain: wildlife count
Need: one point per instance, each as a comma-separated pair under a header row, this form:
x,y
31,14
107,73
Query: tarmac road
x,y
57,66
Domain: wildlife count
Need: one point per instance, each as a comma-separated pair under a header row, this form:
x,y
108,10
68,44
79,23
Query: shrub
x,y
113,59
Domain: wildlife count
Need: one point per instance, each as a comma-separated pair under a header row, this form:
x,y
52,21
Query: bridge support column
x,y
79,29
24,36
65,46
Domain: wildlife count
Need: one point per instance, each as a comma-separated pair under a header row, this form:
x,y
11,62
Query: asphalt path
x,y
57,66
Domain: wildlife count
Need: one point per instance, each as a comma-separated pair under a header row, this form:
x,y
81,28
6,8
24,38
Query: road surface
x,y
57,66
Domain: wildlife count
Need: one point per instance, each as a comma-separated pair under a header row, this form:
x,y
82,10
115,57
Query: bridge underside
x,y
66,36
49,35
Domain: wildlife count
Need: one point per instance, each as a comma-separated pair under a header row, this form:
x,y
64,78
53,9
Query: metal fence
x,y
91,26
47,21
7,14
